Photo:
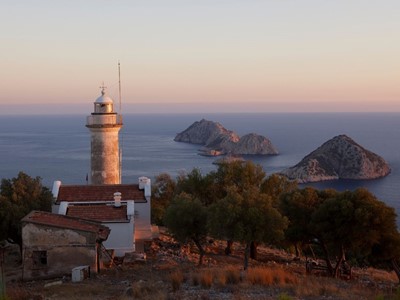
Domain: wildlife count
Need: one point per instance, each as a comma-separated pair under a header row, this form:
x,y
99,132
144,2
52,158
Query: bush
x,y
284,297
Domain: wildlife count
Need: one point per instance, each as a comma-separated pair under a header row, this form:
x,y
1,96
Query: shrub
x,y
284,297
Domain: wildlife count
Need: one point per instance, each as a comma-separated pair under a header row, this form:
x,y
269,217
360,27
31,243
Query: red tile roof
x,y
61,221
81,193
102,212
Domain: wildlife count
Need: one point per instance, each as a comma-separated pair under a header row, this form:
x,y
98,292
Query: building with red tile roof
x,y
54,244
61,221
129,219
99,212
89,193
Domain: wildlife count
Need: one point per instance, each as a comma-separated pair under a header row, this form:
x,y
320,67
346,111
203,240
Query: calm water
x,y
57,147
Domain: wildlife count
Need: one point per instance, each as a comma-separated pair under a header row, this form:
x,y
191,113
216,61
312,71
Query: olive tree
x,y
353,222
246,217
240,176
18,197
162,193
299,206
276,186
342,224
186,219
198,185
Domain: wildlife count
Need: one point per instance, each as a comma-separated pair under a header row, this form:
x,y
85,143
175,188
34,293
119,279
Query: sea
x,y
57,147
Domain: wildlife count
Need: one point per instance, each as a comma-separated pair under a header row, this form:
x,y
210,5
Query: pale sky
x,y
200,56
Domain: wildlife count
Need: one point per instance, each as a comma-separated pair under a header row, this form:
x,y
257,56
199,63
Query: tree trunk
x,y
339,263
253,250
327,260
296,249
312,251
228,249
396,268
246,256
201,250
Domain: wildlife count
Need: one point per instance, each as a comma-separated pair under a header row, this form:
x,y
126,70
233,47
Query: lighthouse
x,y
104,125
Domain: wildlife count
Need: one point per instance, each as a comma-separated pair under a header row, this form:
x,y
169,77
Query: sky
x,y
200,55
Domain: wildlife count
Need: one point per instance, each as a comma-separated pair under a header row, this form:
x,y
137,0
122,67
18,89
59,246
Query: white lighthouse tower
x,y
104,125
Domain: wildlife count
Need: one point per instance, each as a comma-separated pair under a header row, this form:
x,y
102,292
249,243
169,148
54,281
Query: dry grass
x,y
263,276
206,278
146,290
17,293
311,286
220,278
195,279
227,275
382,275
259,276
279,277
167,277
68,290
232,275
270,276
316,286
176,280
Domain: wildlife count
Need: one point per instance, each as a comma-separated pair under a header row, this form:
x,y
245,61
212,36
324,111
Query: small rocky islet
x,y
339,158
217,140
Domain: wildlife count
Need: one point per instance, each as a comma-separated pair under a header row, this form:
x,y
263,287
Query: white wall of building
x,y
121,238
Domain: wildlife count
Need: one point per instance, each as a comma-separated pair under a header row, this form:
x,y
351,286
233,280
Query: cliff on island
x,y
338,158
217,140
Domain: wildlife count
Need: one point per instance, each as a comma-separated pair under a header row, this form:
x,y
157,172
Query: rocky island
x,y
339,158
217,140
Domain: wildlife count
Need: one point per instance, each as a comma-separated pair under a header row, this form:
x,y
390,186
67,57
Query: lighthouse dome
x,y
104,99
103,104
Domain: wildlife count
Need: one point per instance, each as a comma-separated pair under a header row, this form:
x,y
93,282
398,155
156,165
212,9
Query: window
x,y
39,259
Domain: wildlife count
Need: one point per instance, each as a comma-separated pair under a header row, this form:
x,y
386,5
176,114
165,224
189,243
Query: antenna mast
x,y
121,142
119,85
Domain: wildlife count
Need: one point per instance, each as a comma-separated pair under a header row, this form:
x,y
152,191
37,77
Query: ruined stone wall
x,y
50,252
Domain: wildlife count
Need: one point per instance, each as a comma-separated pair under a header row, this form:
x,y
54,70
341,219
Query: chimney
x,y
56,188
117,199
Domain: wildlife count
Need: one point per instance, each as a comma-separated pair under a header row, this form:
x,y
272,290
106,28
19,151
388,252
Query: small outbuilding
x,y
54,244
